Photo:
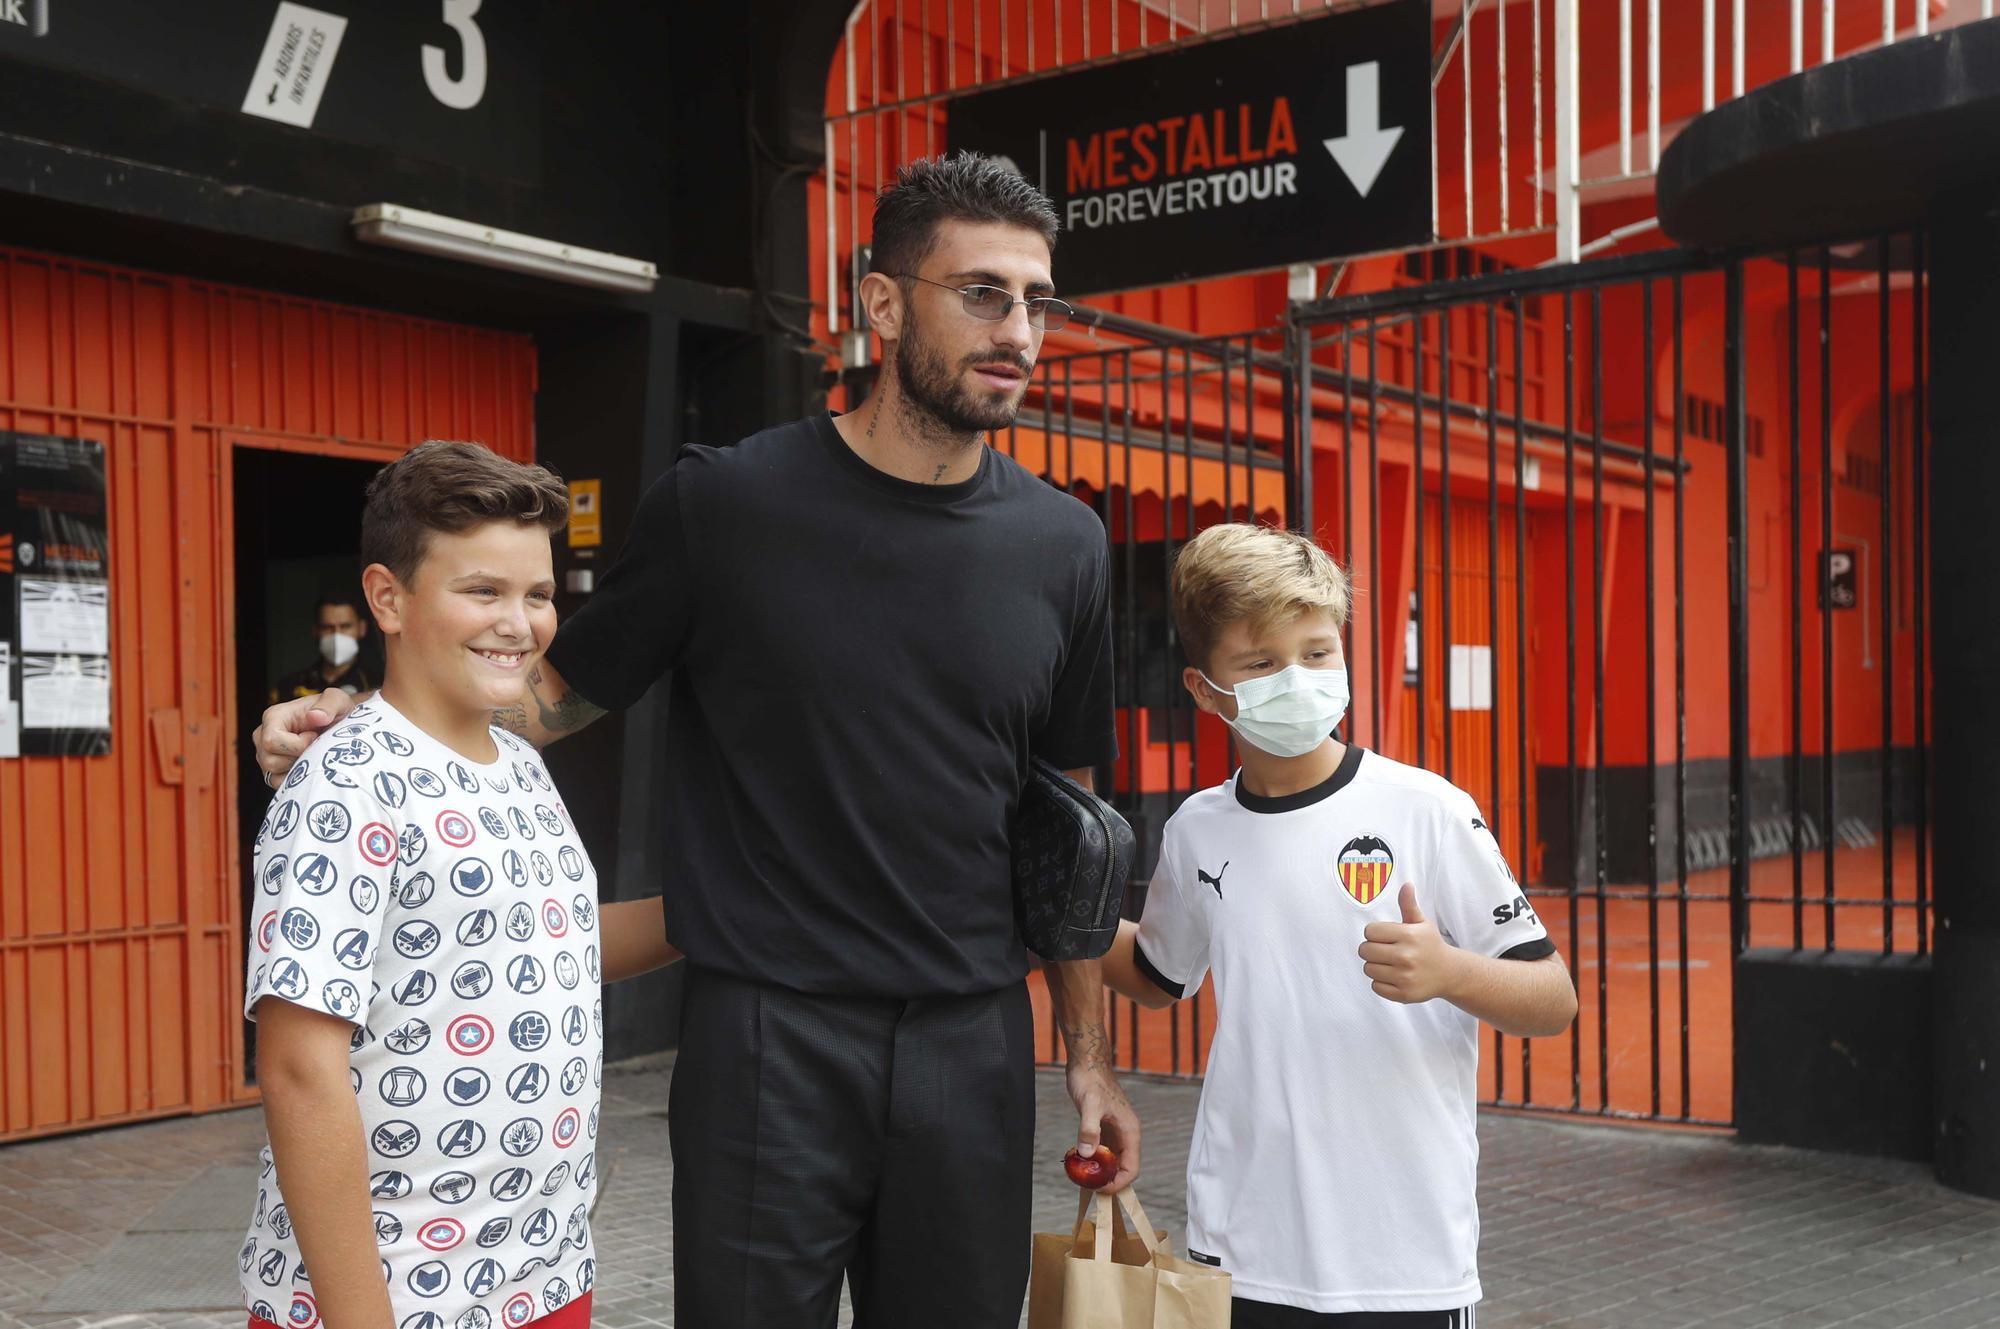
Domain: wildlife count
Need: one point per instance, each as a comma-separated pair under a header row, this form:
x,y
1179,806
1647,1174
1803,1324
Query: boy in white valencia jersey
x,y
426,959
1359,920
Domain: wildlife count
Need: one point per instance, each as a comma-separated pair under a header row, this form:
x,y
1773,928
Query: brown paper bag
x,y
1102,1276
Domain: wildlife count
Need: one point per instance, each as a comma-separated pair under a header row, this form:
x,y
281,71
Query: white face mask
x,y
1289,713
337,648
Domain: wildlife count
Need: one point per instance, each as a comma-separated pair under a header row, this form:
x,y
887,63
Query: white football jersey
x,y
1335,1152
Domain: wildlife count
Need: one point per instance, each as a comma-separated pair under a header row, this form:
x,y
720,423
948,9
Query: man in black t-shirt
x,y
871,623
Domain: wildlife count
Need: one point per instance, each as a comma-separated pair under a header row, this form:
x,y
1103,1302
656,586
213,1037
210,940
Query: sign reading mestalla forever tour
x,y
1301,142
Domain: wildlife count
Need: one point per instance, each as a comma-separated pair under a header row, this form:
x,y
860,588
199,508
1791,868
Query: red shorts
x,y
575,1315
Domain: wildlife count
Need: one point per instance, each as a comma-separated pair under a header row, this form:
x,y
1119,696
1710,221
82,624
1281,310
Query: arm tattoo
x,y
570,711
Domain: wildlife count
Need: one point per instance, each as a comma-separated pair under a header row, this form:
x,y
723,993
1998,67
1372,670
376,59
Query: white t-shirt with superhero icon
x,y
447,909
1335,1155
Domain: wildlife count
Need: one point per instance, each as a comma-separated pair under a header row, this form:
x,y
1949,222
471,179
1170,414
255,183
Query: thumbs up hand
x,y
1410,961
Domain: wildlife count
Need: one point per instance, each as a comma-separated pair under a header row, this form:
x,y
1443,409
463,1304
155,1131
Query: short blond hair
x,y
1270,577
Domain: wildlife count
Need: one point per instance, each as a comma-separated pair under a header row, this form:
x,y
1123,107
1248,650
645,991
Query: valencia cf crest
x,y
1366,864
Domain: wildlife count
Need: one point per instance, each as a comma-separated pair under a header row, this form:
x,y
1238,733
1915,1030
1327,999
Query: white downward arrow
x,y
1365,147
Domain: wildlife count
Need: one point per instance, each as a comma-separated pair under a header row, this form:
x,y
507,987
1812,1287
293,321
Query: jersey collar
x,y
1342,775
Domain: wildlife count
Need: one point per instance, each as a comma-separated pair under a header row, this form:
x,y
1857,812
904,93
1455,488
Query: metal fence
x,y
1639,552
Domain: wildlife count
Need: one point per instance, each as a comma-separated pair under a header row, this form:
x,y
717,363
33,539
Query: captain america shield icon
x,y
455,828
520,1309
1365,865
569,1124
441,1234
555,918
267,930
469,1035
377,844
304,1312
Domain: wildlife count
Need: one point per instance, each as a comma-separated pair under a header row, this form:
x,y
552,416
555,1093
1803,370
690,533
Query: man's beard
x,y
939,393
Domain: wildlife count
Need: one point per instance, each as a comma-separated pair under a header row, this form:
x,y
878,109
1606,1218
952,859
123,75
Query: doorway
x,y
297,533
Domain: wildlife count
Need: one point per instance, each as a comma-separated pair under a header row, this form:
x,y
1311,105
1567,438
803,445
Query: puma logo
x,y
1215,881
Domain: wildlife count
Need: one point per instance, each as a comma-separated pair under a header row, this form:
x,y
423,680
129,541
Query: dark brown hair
x,y
961,187
449,488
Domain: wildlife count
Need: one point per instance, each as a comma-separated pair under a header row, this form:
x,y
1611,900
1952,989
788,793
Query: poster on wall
x,y
55,598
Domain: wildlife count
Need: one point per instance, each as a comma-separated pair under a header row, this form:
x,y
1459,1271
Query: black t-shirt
x,y
862,667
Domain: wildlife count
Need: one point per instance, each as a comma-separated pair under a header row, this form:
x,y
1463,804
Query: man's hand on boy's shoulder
x,y
290,727
1410,961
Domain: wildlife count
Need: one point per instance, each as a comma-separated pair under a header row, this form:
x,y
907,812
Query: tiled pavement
x,y
1584,1226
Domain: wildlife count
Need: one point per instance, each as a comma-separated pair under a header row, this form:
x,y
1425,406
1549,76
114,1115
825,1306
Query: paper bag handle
x,y
1129,1202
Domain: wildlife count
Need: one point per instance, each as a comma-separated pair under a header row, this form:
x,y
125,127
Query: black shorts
x,y
887,1141
1266,1315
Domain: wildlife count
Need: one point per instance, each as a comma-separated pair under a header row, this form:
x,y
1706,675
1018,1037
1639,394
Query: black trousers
x,y
1265,1315
885,1140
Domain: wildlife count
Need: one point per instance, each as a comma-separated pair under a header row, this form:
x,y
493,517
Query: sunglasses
x,y
993,303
